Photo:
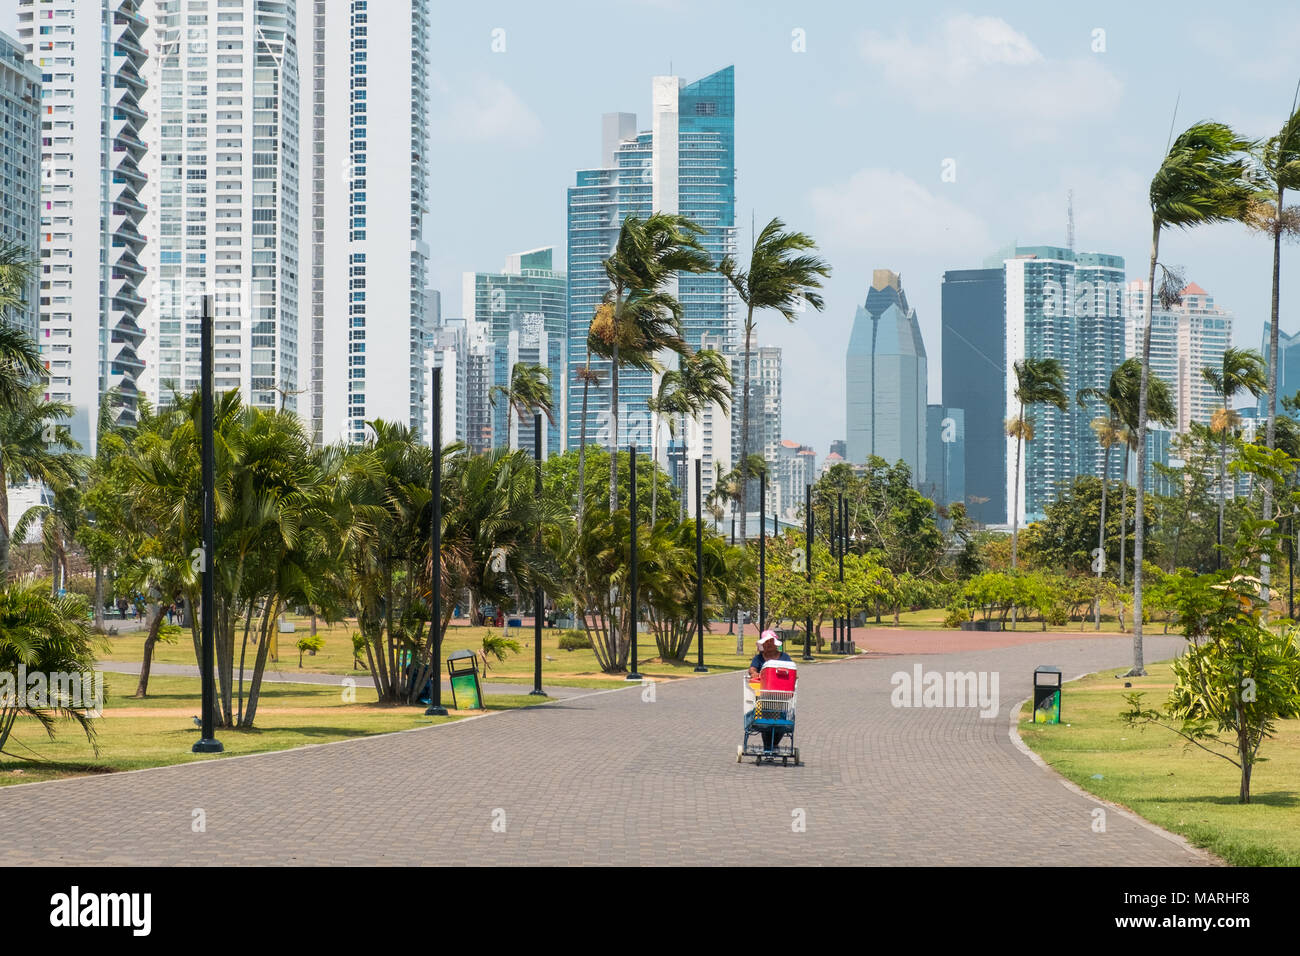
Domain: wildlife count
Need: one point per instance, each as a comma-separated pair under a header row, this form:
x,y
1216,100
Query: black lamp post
x,y
848,621
808,561
843,543
435,708
699,575
538,597
208,743
633,674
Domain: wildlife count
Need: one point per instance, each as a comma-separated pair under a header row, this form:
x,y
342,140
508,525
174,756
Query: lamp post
x,y
844,538
435,708
699,575
731,625
633,674
762,554
208,743
839,534
538,597
808,561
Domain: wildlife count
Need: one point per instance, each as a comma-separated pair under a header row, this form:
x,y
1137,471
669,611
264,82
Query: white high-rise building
x,y
91,60
365,195
223,202
20,171
1184,339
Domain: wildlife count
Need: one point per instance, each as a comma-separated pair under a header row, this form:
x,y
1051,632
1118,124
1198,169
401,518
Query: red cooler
x,y
777,675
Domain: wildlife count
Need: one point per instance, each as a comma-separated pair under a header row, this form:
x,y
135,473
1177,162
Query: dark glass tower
x,y
974,379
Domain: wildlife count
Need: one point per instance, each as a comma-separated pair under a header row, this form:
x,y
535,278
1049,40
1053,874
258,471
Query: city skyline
x,y
954,81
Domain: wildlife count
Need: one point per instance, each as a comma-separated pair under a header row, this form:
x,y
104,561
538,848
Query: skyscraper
x,y
1184,340
685,163
224,155
20,178
1065,306
974,379
521,316
1288,369
365,181
885,384
91,64
764,414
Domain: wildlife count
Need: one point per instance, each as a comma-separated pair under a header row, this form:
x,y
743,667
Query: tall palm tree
x,y
1202,179
1120,399
529,391
1039,381
665,406
1242,370
646,317
1277,167
1109,434
705,378
782,275
588,376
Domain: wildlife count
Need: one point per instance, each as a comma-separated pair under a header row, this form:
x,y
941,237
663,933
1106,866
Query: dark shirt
x,y
759,660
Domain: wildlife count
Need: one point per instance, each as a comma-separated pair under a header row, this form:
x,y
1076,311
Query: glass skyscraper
x,y
885,379
685,163
974,379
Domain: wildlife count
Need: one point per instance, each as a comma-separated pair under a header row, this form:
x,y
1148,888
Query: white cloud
x,y
983,67
481,109
887,213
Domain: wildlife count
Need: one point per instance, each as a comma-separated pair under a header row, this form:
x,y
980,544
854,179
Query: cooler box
x,y
777,675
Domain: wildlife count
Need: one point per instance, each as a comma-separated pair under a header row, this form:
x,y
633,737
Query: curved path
x,y
614,777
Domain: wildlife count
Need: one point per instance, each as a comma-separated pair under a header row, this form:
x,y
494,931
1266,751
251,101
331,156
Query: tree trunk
x,y
1271,431
4,523
1101,533
146,663
1015,492
1139,666
744,430
1123,515
1223,486
613,417
582,451
99,598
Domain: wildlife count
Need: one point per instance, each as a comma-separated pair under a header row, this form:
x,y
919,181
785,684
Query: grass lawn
x,y
1183,789
160,730
569,668
931,619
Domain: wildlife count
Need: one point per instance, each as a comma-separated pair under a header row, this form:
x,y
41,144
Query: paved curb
x,y
1014,734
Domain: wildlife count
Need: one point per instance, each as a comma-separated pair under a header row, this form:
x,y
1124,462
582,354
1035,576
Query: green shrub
x,y
574,641
958,614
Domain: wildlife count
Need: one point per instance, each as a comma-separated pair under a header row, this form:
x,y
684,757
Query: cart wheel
x,y
740,752
785,761
796,757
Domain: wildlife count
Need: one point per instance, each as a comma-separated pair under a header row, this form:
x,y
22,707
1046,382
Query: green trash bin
x,y
462,672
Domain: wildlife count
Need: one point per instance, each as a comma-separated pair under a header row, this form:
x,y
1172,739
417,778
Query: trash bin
x,y
462,671
1047,694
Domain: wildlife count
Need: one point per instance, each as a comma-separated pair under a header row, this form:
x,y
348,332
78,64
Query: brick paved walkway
x,y
613,778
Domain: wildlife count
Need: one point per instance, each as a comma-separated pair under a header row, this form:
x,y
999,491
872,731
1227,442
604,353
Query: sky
x,y
849,138
847,116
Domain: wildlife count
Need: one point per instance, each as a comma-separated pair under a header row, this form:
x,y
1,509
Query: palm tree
x,y
1121,401
33,447
1242,369
1039,381
702,379
782,275
645,317
664,406
529,390
1202,179
1109,434
588,376
49,635
1277,169
60,524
